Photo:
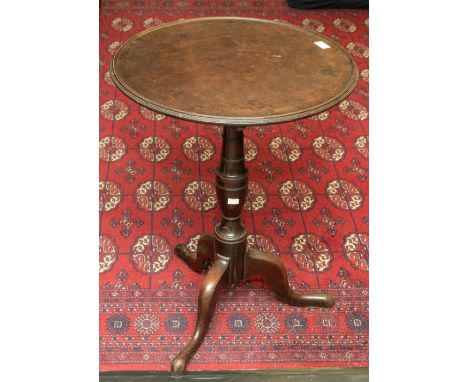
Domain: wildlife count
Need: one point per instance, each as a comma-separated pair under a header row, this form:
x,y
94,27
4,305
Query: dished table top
x,y
233,71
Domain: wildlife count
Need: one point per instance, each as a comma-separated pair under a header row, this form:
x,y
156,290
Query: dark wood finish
x,y
209,292
231,191
204,257
348,374
234,262
273,271
233,71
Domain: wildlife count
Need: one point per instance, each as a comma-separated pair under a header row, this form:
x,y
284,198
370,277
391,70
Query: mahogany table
x,y
234,72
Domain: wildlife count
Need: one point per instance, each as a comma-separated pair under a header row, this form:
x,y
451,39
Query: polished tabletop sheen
x,y
233,71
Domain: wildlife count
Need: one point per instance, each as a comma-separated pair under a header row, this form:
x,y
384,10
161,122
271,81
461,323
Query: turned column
x,y
231,191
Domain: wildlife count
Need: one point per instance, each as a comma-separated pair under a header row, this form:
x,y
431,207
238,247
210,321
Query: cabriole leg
x,y
273,271
204,256
213,284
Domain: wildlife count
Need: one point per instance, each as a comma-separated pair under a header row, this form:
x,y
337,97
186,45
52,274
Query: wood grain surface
x,y
233,71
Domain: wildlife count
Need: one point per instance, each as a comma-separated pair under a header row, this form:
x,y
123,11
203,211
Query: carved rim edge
x,y
235,121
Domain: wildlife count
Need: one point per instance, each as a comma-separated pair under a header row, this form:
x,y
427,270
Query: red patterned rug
x,y
157,190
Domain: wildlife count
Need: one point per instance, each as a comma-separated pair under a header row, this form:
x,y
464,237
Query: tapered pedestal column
x,y
227,252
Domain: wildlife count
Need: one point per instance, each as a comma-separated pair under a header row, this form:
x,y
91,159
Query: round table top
x,y
233,71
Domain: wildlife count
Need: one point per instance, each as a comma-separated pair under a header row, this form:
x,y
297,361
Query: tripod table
x,y
234,72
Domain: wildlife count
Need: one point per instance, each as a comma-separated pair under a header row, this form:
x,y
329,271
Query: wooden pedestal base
x,y
231,261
